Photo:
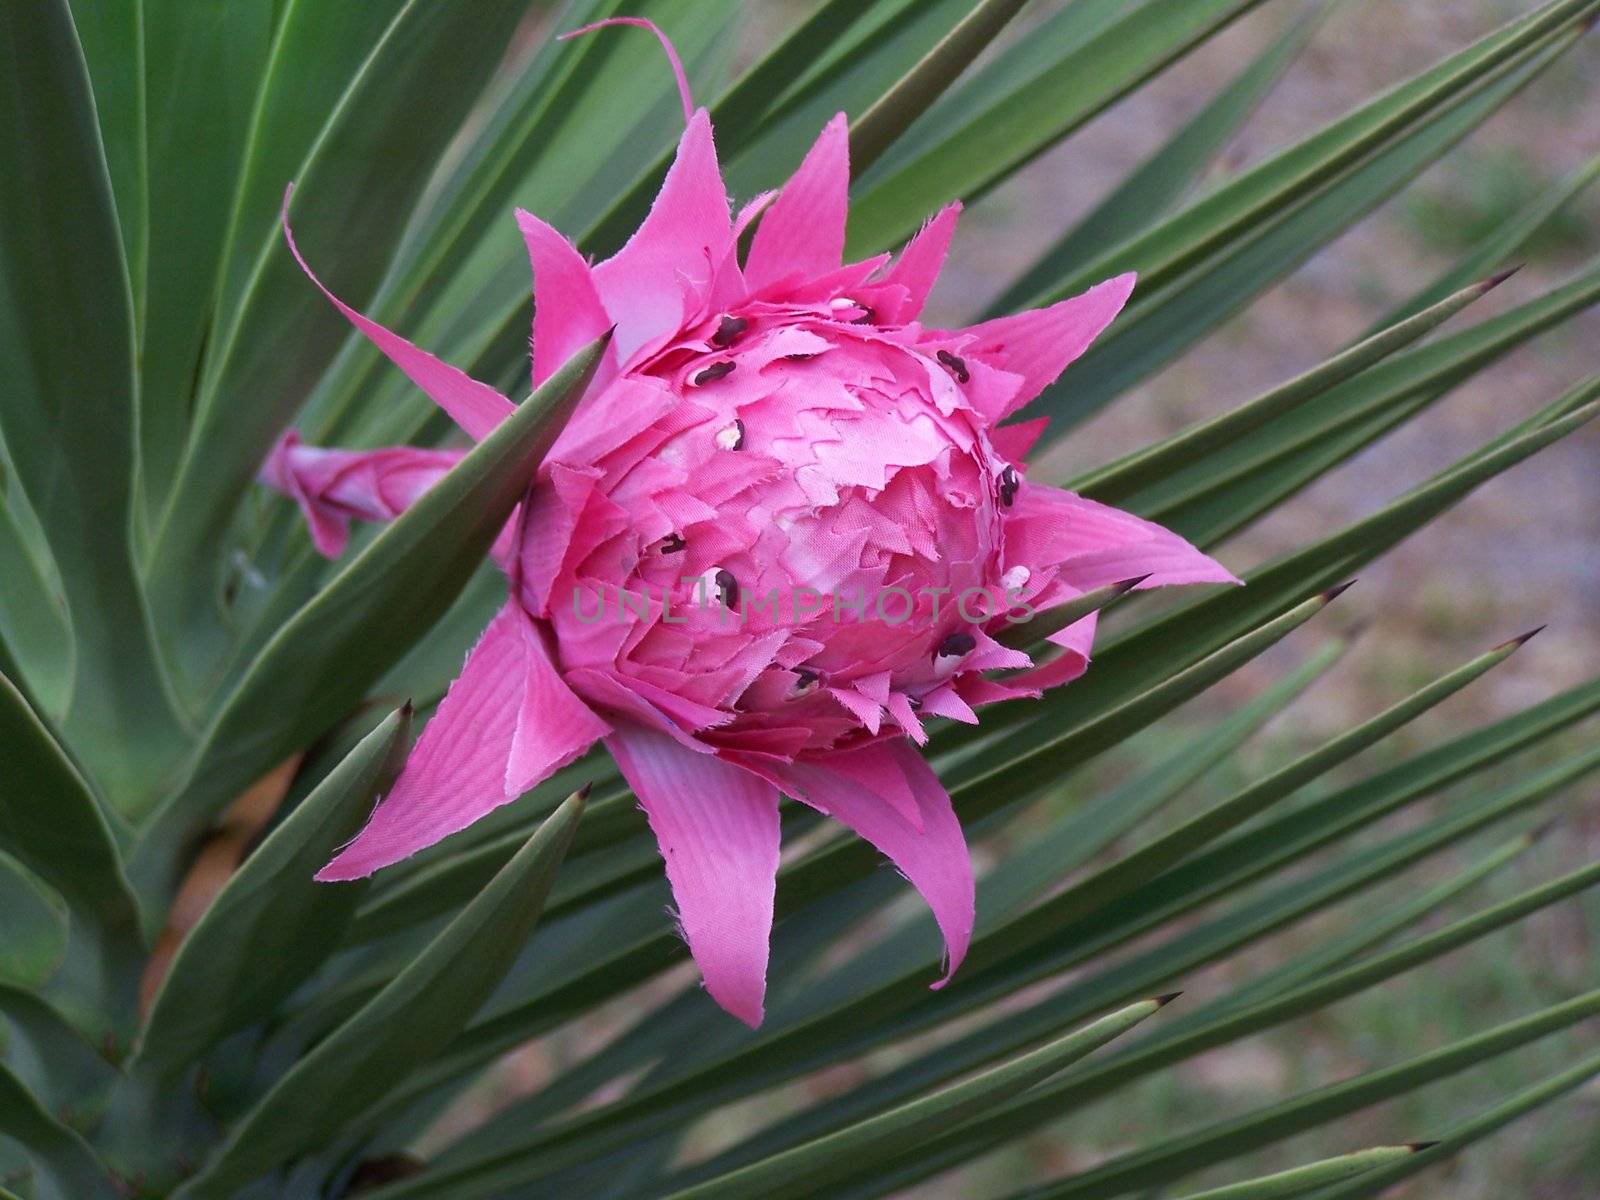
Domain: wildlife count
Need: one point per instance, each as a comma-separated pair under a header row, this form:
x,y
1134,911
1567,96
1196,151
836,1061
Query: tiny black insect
x,y
957,365
672,543
727,589
1009,483
715,371
958,643
728,329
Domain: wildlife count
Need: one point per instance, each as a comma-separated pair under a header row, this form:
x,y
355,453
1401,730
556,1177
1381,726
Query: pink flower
x,y
774,540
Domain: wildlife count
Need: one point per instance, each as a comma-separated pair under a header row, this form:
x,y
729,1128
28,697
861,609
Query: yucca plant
x,y
198,711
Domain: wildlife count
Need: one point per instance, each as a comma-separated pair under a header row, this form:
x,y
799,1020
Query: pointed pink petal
x,y
1012,442
921,261
507,722
567,313
685,237
1096,545
474,406
934,859
906,717
947,702
332,487
868,712
803,232
717,827
1039,344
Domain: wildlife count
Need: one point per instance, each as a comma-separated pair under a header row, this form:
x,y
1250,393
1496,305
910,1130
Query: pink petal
x,y
717,827
1039,344
474,406
567,313
685,237
921,261
1095,544
1012,442
507,722
332,487
934,858
803,232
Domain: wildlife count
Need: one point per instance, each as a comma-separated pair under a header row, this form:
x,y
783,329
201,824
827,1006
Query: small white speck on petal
x,y
1015,578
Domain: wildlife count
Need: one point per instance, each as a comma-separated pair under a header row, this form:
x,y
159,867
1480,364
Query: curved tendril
x,y
666,44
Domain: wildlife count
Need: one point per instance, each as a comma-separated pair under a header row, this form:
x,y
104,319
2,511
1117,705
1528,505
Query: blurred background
x,y
1521,552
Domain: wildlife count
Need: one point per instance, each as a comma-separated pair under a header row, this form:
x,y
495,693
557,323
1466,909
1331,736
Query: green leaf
x,y
893,112
67,408
1215,1023
50,821
33,927
48,1054
65,1168
33,621
1294,1182
809,1169
202,67
1106,886
272,926
1209,442
355,190
1163,178
1262,468
1502,242
1034,113
1469,1132
319,664
403,1026
1219,1142
1173,310
1272,187
112,35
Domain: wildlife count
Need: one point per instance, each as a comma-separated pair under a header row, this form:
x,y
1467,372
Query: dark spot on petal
x,y
672,543
727,589
956,364
729,329
867,317
714,372
805,679
799,357
915,702
958,643
731,437
1010,481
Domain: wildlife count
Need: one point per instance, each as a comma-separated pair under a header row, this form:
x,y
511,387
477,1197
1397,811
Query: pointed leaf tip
x,y
582,794
1338,590
1419,1147
1500,277
1127,585
1522,639
1538,832
1163,1001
